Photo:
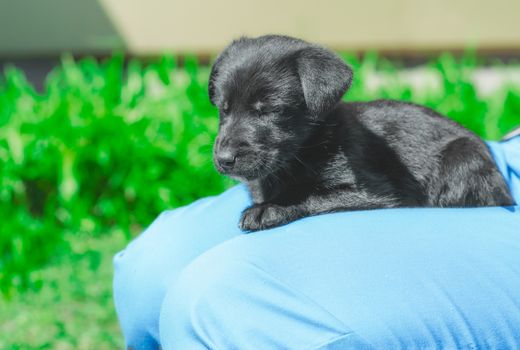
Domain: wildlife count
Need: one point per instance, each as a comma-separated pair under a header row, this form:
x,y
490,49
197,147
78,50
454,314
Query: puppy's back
x,y
440,154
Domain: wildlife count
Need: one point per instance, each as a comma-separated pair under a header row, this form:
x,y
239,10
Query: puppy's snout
x,y
230,154
226,158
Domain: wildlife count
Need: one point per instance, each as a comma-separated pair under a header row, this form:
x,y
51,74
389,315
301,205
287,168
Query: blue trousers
x,y
422,278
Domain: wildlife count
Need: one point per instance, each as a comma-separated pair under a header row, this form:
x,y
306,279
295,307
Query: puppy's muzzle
x,y
226,159
229,155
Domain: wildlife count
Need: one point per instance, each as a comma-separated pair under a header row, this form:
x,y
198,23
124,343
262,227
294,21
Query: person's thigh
x,y
391,279
145,269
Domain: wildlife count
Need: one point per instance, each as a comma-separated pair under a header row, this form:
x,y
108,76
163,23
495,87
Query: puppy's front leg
x,y
268,215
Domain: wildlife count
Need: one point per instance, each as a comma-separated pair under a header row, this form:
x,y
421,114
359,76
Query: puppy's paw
x,y
264,216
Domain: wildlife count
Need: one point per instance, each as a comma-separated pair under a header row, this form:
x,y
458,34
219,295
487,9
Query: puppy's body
x,y
302,152
373,155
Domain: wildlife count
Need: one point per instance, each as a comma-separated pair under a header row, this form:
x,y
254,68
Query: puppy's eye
x,y
264,113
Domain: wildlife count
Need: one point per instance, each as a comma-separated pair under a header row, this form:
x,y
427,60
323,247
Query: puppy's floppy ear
x,y
324,77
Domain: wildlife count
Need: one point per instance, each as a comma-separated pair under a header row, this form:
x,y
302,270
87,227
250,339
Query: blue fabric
x,y
381,279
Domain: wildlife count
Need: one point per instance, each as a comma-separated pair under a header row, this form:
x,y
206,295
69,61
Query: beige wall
x,y
146,27
206,25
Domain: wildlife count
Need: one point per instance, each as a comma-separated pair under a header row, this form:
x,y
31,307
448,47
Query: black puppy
x,y
284,132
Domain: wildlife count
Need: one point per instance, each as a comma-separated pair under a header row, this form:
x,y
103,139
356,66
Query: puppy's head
x,y
270,92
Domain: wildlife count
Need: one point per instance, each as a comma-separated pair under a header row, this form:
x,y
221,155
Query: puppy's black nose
x,y
226,159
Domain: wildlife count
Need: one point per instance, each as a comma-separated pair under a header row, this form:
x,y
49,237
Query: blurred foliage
x,y
104,146
109,145
73,309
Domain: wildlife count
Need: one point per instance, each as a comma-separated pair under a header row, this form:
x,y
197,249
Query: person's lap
x,y
423,278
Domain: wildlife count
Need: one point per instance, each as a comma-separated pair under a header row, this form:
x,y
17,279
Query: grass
x,y
91,160
73,308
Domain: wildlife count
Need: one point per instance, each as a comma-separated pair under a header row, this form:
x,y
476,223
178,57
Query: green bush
x,y
103,147
110,145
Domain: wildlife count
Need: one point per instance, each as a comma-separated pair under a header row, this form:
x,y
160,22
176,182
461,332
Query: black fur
x,y
284,132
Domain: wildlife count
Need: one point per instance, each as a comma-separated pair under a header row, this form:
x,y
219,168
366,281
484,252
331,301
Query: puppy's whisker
x,y
282,170
272,172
